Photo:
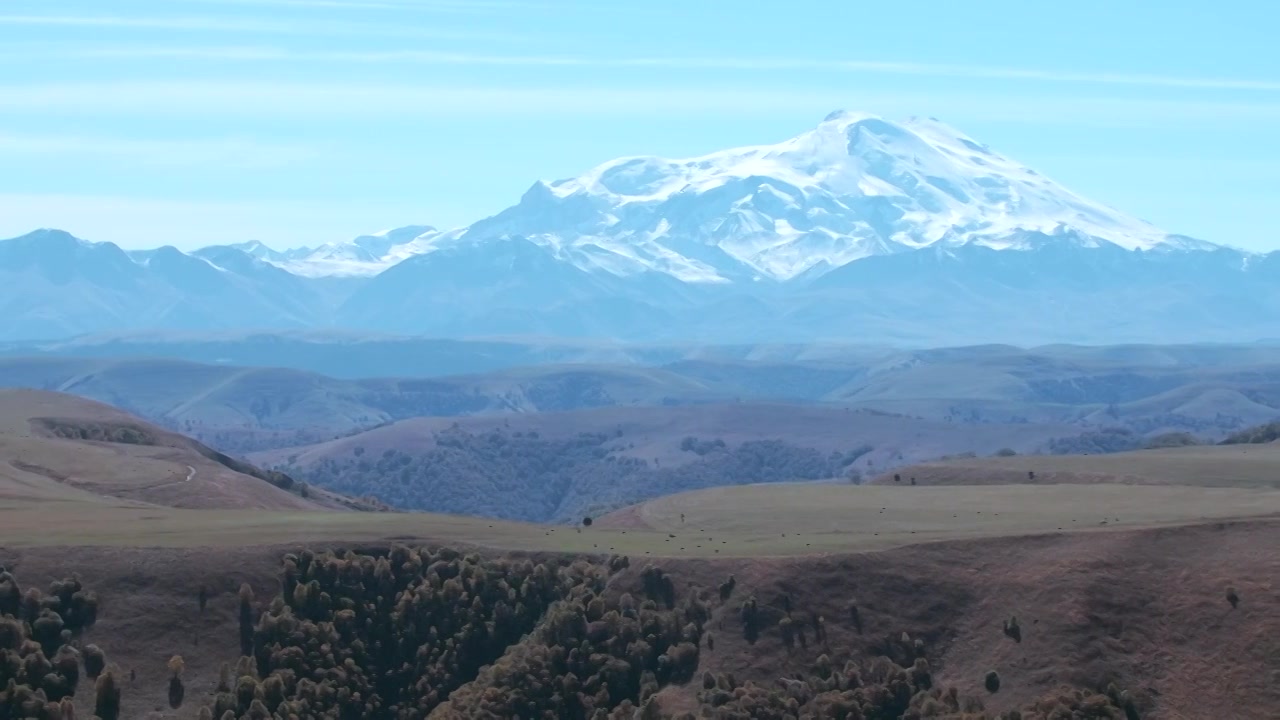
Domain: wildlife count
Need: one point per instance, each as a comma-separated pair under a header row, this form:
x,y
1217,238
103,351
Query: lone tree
x,y
1012,630
94,661
992,682
176,690
726,587
246,620
1233,597
750,628
224,678
106,702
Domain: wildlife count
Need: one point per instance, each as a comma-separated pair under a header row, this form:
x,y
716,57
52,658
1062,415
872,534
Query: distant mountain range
x,y
857,230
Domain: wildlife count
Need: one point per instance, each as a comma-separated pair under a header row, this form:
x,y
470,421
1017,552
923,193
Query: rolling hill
x,y
561,466
1137,602
1128,603
1206,390
59,448
1246,465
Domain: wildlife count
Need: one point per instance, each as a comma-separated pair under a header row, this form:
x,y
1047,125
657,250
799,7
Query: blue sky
x,y
191,122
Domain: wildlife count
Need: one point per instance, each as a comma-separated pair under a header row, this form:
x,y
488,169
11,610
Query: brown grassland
x,y
1115,566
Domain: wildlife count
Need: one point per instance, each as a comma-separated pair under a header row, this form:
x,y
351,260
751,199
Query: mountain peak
x,y
853,186
847,117
51,236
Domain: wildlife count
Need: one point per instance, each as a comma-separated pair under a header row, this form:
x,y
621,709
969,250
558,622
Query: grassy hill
x,y
1247,466
60,448
1116,566
1137,601
1139,607
561,466
245,408
1206,390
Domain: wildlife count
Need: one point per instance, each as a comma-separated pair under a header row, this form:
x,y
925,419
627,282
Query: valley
x,y
866,420
1079,565
575,436
1079,552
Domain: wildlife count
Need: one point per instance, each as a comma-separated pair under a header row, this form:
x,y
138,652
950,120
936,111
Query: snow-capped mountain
x,y
363,256
853,187
858,229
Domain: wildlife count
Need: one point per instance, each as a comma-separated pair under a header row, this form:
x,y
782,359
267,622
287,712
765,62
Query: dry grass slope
x,y
1139,600
1143,608
56,447
1243,466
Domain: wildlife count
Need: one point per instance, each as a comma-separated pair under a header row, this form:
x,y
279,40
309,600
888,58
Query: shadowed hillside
x,y
561,466
1144,611
1145,391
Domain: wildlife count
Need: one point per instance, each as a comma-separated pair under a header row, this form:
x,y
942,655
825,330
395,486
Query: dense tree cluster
x,y
1255,435
594,658
410,633
1097,442
124,433
1171,440
524,476
40,665
884,690
390,635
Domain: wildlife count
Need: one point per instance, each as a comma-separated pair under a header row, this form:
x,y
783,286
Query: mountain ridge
x,y
857,229
852,187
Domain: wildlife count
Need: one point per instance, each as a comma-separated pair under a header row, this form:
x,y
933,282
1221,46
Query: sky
x,y
299,122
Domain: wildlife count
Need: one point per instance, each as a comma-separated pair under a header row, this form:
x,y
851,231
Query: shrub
x,y
992,682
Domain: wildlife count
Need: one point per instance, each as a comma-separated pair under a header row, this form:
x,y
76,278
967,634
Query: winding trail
x,y
191,472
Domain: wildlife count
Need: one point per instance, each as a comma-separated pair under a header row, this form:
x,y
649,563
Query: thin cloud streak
x,y
337,100
426,57
244,25
222,152
446,6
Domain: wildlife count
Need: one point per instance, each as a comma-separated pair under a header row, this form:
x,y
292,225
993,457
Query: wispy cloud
x,y
216,152
429,57
336,100
448,6
250,25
